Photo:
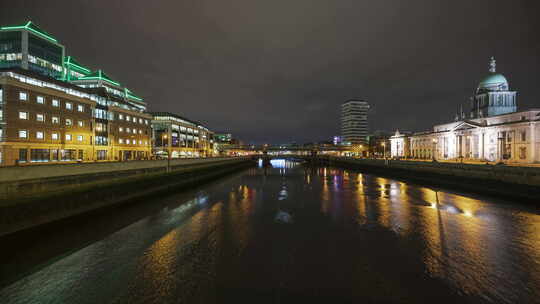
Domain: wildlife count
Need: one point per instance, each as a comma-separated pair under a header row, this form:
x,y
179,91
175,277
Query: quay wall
x,y
36,195
500,180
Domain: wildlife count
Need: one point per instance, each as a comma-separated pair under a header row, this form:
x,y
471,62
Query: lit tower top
x,y
492,64
28,47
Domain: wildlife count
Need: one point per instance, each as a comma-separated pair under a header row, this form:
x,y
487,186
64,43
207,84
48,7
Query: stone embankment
x,y
522,183
36,195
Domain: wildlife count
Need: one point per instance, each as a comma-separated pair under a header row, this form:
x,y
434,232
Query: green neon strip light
x,y
99,78
78,66
134,97
28,28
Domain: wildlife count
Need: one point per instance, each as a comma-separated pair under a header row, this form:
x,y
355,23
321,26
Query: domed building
x,y
493,96
493,132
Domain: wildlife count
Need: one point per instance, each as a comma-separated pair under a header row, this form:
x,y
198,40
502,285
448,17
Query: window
x,y
140,142
40,117
101,154
80,123
128,130
68,137
69,122
55,103
120,141
80,138
68,154
23,115
54,155
23,96
120,116
80,108
81,154
121,129
134,131
40,99
523,153
127,118
23,155
23,134
127,142
146,121
140,131
39,135
140,121
146,143
54,136
523,135
69,106
55,120
134,119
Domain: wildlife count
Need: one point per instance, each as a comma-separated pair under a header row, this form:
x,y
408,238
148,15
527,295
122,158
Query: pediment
x,y
465,125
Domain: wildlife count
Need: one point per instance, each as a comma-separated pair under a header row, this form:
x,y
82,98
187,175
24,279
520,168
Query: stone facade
x,y
495,132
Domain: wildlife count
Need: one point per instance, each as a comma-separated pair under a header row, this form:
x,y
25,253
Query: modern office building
x,y
223,138
494,132
177,137
354,121
52,108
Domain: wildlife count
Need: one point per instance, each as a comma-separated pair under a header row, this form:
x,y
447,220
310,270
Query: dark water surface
x,y
291,234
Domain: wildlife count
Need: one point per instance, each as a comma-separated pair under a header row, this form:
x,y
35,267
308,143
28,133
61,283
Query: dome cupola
x,y
494,81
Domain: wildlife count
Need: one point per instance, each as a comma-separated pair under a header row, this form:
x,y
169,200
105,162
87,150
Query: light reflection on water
x,y
481,247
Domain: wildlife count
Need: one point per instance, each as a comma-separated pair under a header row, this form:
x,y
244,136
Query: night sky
x,y
277,71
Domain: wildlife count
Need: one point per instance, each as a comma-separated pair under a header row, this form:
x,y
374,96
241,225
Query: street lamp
x,y
434,151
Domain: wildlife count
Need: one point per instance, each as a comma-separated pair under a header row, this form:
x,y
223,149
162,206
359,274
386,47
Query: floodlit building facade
x,y
177,137
54,109
493,130
354,121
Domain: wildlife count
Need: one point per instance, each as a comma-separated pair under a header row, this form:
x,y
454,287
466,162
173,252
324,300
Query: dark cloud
x,y
277,71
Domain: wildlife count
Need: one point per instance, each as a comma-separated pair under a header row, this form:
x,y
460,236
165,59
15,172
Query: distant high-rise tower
x,y
354,121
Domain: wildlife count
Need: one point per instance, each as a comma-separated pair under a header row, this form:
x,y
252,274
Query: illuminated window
x,y
146,121
54,136
40,117
69,106
140,131
120,141
127,118
127,141
120,129
68,137
120,116
140,142
39,135
134,119
23,134
140,121
80,108
40,99
128,130
134,131
69,122
80,123
23,96
55,103
80,138
23,115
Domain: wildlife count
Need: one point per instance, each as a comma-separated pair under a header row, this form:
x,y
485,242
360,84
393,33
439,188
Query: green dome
x,y
493,82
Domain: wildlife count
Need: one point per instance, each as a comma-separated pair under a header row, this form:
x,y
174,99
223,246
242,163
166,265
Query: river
x,y
287,234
